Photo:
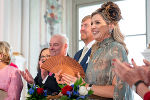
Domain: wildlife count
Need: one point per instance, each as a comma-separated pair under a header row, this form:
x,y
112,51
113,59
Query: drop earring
x,y
110,31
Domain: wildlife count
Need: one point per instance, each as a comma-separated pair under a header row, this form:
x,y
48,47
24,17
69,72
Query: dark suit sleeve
x,y
38,79
50,84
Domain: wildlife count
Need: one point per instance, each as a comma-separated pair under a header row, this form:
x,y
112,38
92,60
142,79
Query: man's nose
x,y
51,47
82,28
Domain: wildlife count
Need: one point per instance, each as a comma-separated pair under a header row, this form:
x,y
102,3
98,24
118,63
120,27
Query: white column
x,y
34,36
15,25
67,25
25,30
43,25
1,18
148,20
11,24
6,20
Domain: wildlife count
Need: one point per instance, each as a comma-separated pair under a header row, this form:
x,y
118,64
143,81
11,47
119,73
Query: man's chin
x,y
83,38
53,54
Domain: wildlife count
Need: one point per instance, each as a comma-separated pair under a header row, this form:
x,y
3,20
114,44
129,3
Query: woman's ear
x,y
111,26
1,56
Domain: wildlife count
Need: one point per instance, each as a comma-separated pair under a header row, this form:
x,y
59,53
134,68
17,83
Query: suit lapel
x,y
79,55
85,58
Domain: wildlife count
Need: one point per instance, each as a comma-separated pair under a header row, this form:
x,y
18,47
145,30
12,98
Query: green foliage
x,y
36,93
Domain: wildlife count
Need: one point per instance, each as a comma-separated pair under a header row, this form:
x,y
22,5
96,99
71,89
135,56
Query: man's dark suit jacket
x,y
50,84
83,62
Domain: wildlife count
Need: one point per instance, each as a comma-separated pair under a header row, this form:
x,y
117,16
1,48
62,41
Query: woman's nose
x,y
92,26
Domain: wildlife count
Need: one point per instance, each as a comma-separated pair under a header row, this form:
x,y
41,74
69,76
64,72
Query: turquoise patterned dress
x,y
99,70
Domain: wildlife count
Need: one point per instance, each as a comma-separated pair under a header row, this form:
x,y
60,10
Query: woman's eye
x,y
97,22
43,61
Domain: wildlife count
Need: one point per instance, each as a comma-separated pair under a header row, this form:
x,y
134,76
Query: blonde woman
x,y
10,80
109,45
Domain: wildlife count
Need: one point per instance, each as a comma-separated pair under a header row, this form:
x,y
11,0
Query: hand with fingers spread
x,y
27,76
143,71
59,77
127,73
134,75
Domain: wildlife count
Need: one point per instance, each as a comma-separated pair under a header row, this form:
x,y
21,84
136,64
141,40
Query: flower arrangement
x,y
37,93
76,91
147,96
54,12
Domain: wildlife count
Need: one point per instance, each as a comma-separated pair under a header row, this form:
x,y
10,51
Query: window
x,y
133,25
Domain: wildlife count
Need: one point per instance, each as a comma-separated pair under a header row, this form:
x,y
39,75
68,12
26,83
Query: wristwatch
x,y
89,87
134,87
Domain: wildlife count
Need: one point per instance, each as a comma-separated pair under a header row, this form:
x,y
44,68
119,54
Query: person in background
x,y
11,64
10,80
82,56
109,45
138,77
51,84
58,47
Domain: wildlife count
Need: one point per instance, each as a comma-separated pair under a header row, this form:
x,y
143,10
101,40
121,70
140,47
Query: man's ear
x,y
66,45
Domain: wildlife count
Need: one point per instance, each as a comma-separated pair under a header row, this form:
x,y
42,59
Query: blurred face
x,y
44,56
86,34
100,28
57,47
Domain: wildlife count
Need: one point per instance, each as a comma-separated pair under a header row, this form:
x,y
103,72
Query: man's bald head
x,y
58,45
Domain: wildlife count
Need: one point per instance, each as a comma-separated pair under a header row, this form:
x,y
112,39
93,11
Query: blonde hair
x,y
112,15
86,17
4,50
118,36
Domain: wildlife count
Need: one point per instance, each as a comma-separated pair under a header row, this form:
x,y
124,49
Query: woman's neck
x,y
106,36
2,65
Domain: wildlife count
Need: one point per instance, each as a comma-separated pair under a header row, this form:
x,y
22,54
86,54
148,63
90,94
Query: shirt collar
x,y
90,44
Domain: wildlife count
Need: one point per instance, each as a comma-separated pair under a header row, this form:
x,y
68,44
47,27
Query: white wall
x,y
34,47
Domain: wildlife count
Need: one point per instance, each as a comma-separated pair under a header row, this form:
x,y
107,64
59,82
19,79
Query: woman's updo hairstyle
x,y
110,12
